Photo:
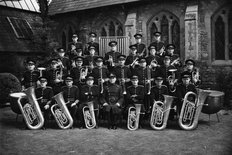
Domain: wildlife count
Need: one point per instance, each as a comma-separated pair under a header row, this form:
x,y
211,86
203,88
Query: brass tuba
x,y
61,113
31,111
133,117
191,110
160,113
89,116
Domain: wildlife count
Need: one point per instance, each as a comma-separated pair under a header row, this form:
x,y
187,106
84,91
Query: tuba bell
x,y
31,111
89,116
191,110
133,117
160,113
60,112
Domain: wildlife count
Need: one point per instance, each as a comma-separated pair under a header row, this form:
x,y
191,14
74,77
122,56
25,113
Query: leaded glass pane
x,y
219,39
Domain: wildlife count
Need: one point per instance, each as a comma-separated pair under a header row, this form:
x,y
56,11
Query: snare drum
x,y
214,102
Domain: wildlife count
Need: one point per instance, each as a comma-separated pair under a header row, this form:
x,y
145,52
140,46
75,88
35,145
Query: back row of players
x,y
114,82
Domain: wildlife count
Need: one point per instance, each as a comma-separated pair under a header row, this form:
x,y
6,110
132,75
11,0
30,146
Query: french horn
x,y
60,112
191,110
89,116
160,113
133,117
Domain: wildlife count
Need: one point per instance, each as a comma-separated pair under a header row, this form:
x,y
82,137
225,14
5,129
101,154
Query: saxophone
x,y
60,112
133,117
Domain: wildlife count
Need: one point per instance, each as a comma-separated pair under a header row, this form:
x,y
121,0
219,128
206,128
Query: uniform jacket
x,y
71,94
46,94
157,93
135,90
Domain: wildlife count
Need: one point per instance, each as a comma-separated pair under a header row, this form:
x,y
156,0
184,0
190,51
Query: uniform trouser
x,y
112,112
46,113
73,111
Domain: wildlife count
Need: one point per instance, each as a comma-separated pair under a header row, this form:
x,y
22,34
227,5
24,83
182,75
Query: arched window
x,y
119,31
66,35
63,40
164,29
103,32
70,33
111,27
222,35
153,30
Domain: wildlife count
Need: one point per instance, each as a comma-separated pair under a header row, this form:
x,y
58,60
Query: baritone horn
x,y
133,117
191,110
89,116
60,112
31,111
160,113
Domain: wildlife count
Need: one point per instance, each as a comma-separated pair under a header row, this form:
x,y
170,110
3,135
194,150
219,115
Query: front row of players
x,y
112,103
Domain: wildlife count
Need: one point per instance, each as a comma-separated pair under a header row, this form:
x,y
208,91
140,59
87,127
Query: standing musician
x,y
152,56
72,52
89,93
75,42
92,38
72,61
100,73
175,58
112,100
54,76
184,87
122,72
64,61
159,45
132,58
89,59
44,95
30,76
71,96
141,48
135,95
193,71
158,90
111,57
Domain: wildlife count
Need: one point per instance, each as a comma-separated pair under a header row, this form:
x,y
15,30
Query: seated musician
x,y
132,58
71,96
158,90
175,58
184,87
89,93
89,59
44,96
30,76
135,95
141,48
112,100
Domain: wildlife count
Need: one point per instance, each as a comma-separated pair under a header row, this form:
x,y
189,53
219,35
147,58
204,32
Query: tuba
x,y
160,113
133,117
89,116
61,113
191,110
31,111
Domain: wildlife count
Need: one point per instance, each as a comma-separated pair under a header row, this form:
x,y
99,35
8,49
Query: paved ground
x,y
213,139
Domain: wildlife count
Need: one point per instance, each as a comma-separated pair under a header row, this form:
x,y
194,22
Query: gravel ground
x,y
214,138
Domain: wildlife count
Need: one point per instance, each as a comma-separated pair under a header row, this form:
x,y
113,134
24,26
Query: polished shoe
x,y
114,127
110,127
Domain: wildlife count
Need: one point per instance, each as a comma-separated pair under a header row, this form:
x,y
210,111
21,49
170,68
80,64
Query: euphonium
x,y
61,113
160,113
31,111
133,117
89,116
190,110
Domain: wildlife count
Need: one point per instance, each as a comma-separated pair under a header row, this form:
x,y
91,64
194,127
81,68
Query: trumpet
x,y
176,61
60,112
154,64
31,111
160,113
89,116
83,74
191,110
133,117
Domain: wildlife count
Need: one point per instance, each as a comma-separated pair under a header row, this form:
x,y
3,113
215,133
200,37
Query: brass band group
x,y
78,87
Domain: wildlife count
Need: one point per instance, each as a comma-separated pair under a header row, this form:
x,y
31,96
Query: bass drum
x,y
214,102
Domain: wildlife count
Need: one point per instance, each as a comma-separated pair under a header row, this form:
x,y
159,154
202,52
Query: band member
x,y
135,95
184,87
89,59
132,58
111,57
193,71
92,38
72,52
141,48
122,73
175,59
90,93
71,96
100,73
44,96
153,57
112,100
75,42
159,45
158,90
54,76
64,61
30,76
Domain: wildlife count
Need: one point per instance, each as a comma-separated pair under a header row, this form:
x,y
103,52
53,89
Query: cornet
x,y
111,60
195,75
83,74
89,115
133,117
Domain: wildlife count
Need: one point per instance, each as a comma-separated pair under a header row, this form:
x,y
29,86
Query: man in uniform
x,y
132,58
89,59
89,93
92,38
112,100
44,96
152,56
30,76
175,58
111,57
159,45
71,96
75,42
141,48
158,90
63,61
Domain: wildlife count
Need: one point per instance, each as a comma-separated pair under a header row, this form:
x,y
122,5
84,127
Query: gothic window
x,y
175,29
66,35
63,40
153,30
164,29
70,33
103,32
119,31
222,35
111,27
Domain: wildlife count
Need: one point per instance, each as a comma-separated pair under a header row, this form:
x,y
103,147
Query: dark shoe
x,y
43,128
114,127
109,127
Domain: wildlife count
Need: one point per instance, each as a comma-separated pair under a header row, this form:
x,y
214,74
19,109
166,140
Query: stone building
x,y
201,29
